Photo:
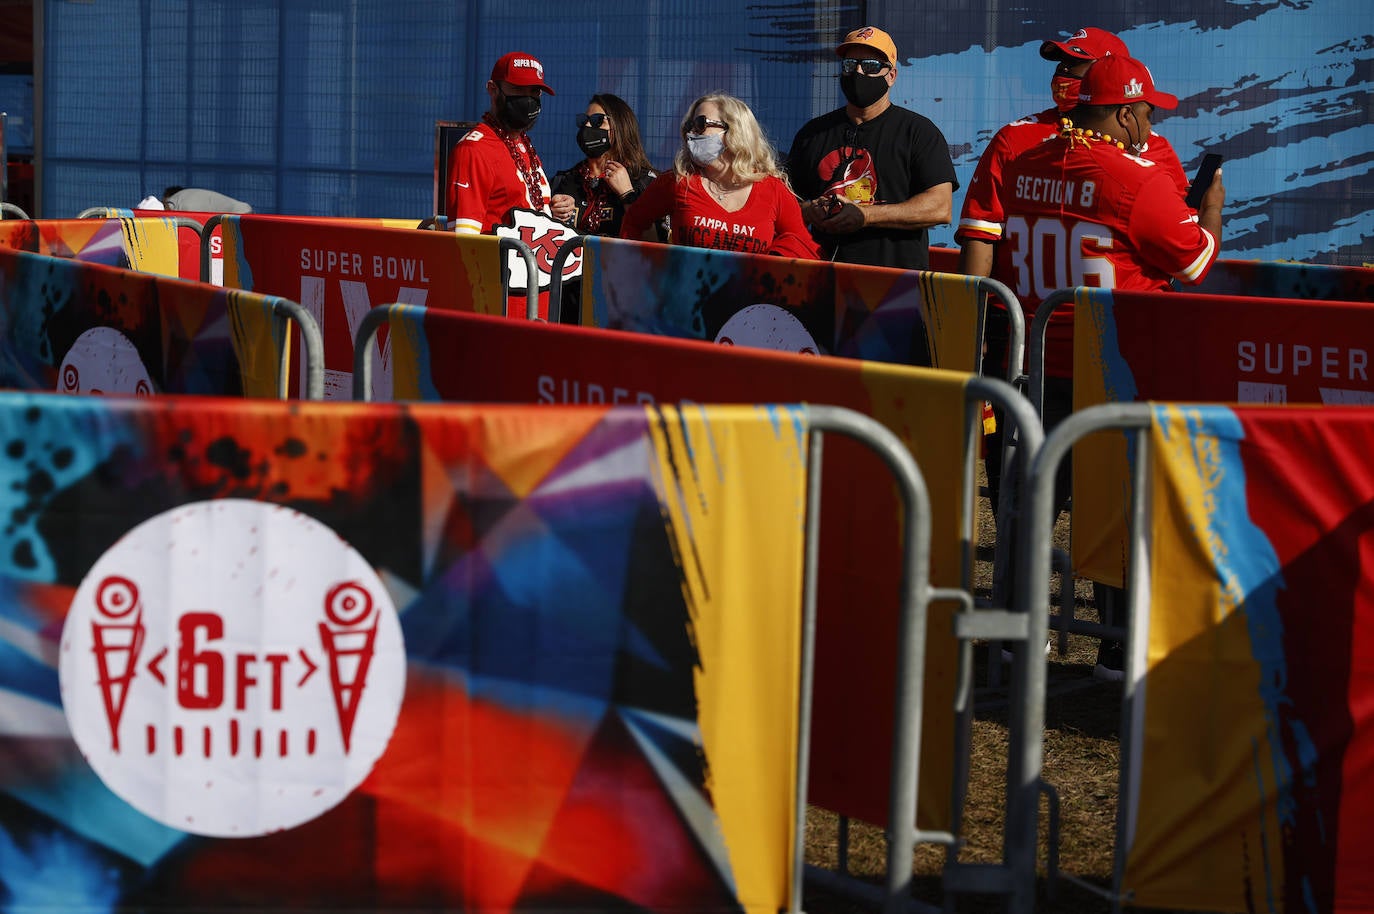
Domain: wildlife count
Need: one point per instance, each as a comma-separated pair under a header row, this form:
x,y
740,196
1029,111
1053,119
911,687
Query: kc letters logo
x,y
543,235
232,668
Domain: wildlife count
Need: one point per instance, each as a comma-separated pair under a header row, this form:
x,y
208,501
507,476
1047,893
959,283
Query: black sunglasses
x,y
593,120
699,124
869,66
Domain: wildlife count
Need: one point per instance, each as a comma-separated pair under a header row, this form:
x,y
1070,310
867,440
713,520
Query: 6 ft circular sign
x,y
232,668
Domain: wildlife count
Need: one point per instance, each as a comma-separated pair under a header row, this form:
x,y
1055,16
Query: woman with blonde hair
x,y
726,190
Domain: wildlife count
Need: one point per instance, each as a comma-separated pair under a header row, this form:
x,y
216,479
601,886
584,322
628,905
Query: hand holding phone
x,y
1203,180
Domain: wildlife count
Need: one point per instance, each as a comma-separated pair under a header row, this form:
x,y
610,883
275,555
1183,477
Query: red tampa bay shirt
x,y
769,222
1083,212
485,181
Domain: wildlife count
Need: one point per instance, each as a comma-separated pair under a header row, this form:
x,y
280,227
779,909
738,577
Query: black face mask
x,y
593,141
518,112
862,91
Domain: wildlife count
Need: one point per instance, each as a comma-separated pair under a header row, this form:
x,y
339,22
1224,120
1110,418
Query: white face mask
x,y
705,149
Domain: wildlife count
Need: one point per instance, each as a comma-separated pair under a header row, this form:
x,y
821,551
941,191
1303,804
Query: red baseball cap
x,y
1085,44
520,69
1118,80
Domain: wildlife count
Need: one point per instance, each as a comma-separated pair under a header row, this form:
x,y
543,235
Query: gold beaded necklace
x,y
1080,135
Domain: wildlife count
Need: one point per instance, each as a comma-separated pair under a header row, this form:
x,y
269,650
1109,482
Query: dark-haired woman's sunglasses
x,y
699,124
598,120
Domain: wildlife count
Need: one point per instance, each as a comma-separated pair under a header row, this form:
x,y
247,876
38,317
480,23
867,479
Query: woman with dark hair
x,y
726,190
592,195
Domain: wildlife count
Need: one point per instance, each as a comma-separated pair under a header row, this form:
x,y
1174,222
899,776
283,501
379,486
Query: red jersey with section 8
x,y
770,222
982,214
487,179
1082,212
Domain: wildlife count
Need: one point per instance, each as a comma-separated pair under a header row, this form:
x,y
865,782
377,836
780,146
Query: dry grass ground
x,y
1081,760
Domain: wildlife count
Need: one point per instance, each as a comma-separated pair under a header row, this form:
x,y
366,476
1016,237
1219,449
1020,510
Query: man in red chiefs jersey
x,y
1082,209
982,211
494,167
982,216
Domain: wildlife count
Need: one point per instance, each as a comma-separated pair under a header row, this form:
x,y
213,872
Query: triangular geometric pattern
x,y
548,753
619,831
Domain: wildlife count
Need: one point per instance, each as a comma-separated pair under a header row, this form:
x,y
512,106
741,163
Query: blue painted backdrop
x,y
327,107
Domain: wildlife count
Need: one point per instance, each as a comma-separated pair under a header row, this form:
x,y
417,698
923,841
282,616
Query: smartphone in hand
x,y
1205,172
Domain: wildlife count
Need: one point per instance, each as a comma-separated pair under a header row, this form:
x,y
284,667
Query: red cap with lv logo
x,y
1120,81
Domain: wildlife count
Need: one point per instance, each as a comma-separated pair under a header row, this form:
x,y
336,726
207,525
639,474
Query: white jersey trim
x,y
978,225
1193,272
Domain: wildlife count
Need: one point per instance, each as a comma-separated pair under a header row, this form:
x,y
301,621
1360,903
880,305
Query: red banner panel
x,y
1254,769
339,270
437,355
1185,346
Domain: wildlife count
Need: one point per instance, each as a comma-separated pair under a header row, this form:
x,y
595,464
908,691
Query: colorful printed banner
x,y
147,245
874,313
189,245
386,657
87,328
339,271
1278,279
1211,348
447,356
1254,769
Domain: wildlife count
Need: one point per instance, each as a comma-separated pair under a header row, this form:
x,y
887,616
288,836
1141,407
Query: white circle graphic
x,y
765,326
232,668
103,361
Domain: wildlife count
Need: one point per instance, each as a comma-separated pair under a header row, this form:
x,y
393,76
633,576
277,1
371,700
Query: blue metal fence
x,y
327,107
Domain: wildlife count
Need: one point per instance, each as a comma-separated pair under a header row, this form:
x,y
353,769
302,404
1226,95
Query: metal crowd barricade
x,y
105,212
1066,620
566,250
971,358
138,228
970,624
1122,348
507,246
200,340
911,650
113,212
286,312
1242,518
1035,545
1035,368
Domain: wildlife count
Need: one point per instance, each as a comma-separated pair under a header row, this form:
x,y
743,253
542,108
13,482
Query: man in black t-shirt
x,y
873,177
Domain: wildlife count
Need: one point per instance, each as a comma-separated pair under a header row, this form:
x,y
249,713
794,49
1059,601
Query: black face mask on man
x,y
862,91
518,112
593,141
